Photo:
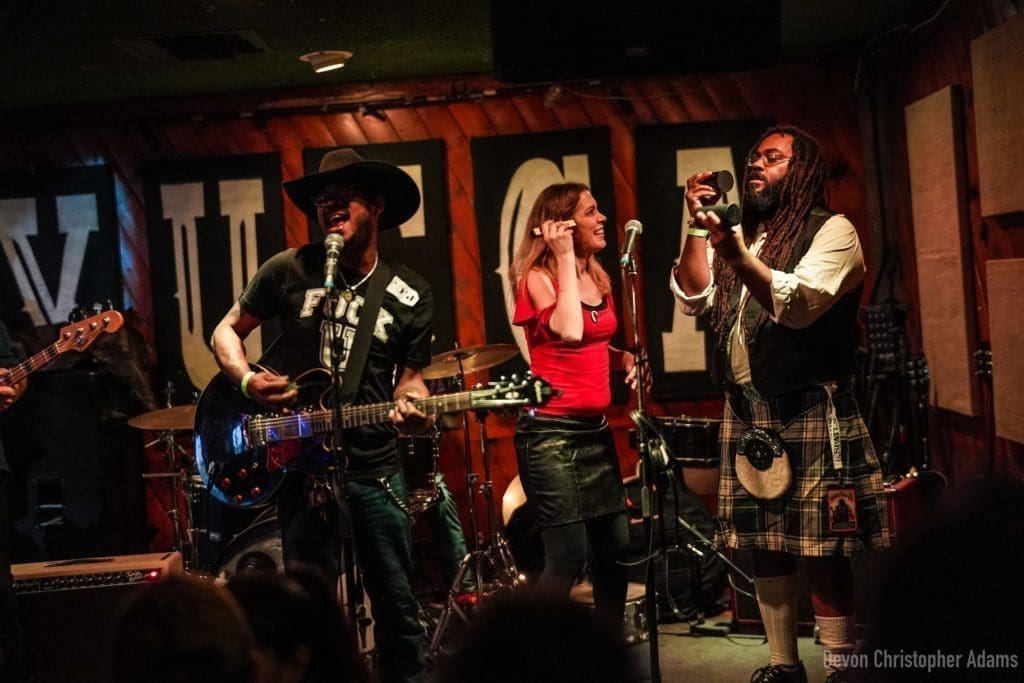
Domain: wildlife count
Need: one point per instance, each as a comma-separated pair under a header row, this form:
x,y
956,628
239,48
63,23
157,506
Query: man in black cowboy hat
x,y
354,199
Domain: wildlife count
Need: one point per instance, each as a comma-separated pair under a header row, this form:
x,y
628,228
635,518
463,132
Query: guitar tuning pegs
x,y
97,308
109,306
515,378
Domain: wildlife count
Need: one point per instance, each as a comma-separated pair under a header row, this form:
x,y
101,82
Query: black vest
x,y
784,359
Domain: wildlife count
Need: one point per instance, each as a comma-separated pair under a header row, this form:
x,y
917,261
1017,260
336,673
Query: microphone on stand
x,y
633,228
334,244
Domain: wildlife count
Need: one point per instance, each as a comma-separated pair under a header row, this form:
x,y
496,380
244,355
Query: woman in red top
x,y
566,454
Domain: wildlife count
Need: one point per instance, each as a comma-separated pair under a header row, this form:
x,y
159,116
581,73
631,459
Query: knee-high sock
x,y
838,638
777,597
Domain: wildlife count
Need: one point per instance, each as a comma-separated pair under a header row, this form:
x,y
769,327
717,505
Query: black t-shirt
x,y
289,286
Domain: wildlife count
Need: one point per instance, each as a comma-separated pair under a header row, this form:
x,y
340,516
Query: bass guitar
x,y
78,336
244,452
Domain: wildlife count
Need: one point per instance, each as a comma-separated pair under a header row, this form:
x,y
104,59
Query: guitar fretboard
x,y
19,372
264,430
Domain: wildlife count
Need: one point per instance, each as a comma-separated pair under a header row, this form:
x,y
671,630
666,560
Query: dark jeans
x,y
383,552
447,534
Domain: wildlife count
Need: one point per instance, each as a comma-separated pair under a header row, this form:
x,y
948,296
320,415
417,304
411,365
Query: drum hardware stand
x,y
184,542
647,474
497,555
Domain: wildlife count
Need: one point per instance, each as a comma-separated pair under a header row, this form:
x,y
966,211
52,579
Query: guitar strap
x,y
364,332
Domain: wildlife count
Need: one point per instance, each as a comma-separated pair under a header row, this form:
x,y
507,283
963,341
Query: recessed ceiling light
x,y
326,60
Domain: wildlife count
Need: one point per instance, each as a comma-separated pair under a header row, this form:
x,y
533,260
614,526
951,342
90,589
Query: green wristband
x,y
697,232
245,383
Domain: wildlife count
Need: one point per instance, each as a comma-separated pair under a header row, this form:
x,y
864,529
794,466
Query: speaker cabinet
x,y
76,487
67,609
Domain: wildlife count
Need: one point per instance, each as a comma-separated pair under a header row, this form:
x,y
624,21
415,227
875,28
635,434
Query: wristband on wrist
x,y
697,232
244,385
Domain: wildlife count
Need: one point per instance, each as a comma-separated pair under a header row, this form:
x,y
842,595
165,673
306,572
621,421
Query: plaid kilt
x,y
797,522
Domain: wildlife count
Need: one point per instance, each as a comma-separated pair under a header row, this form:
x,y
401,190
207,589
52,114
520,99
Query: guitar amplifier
x,y
94,572
69,606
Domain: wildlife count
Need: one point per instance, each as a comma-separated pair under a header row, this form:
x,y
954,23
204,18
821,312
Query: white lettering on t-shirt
x,y
403,292
313,297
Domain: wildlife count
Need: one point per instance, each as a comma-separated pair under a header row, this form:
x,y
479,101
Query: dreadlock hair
x,y
555,202
802,189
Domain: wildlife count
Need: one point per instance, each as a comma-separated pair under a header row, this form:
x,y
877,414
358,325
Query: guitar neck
x,y
357,416
318,422
17,373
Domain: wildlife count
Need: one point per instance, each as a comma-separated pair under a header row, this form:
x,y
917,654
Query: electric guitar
x,y
244,452
78,336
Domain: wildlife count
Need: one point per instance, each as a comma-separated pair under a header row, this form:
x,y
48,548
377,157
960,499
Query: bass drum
x,y
257,550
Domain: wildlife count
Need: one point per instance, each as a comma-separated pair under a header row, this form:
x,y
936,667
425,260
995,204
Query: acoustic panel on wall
x,y
1005,292
942,245
997,61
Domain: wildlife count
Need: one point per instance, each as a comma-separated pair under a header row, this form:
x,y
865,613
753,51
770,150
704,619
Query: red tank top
x,y
579,370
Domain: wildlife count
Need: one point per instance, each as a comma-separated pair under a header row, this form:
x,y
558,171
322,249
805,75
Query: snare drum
x,y
695,450
419,456
693,440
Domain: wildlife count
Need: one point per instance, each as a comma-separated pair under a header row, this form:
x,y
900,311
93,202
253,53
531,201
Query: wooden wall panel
x,y
942,247
997,60
964,448
1006,280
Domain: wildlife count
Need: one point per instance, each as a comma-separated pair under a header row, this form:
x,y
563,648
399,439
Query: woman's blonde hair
x,y
555,202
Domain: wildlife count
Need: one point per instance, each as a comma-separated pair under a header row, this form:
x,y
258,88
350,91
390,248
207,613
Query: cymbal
x,y
166,419
473,358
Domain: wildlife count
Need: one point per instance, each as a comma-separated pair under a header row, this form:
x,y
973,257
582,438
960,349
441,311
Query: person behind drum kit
x,y
352,198
10,631
782,291
565,451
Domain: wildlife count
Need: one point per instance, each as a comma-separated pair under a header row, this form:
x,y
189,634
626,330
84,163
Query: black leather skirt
x,y
569,468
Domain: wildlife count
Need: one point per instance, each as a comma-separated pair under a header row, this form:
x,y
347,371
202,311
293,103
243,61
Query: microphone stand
x,y
352,589
647,476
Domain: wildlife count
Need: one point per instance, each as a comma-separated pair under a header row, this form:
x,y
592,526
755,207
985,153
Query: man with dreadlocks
x,y
782,291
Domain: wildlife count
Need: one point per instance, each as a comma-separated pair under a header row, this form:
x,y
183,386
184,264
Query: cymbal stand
x,y
502,566
500,557
183,541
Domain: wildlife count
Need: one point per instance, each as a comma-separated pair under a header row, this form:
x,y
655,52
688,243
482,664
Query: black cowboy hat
x,y
401,195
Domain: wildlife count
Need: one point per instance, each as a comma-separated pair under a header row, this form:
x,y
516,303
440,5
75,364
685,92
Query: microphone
x,y
720,180
730,214
334,244
633,228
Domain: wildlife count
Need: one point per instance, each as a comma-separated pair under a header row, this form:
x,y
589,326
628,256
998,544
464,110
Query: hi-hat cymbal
x,y
473,358
166,419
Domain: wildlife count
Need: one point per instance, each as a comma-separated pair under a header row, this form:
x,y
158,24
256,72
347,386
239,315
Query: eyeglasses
x,y
772,157
337,196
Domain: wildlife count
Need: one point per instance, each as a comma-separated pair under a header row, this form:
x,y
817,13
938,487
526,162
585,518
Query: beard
x,y
760,206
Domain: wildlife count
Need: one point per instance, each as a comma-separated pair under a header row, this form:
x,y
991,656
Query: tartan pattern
x,y
797,523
